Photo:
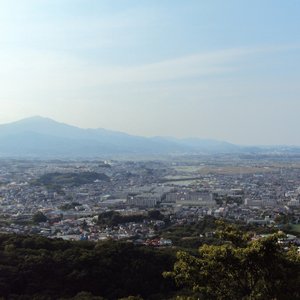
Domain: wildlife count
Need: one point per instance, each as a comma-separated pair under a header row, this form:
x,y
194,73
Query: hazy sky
x,y
226,70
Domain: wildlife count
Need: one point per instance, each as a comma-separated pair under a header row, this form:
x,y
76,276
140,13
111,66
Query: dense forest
x,y
113,218
69,179
232,265
35,266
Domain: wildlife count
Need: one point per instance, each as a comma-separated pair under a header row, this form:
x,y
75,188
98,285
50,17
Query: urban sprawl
x,y
65,199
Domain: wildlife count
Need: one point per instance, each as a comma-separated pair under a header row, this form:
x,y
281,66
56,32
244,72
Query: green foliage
x,y
210,231
283,219
131,298
39,217
69,206
222,200
155,215
240,269
191,236
70,179
231,233
33,266
113,218
84,296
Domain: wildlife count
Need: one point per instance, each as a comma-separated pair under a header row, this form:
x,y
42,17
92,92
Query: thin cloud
x,y
202,64
35,70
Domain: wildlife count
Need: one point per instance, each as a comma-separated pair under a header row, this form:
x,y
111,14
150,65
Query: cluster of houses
x,y
136,188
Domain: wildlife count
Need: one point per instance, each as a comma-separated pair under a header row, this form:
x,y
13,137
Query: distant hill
x,y
70,179
46,138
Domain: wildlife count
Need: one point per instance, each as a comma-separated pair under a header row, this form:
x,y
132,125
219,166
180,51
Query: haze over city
x,y
226,70
149,149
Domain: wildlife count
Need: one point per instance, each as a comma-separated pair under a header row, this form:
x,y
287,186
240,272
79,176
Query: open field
x,y
204,170
183,182
296,227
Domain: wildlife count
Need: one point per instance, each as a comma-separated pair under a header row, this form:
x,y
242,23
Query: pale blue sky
x,y
226,70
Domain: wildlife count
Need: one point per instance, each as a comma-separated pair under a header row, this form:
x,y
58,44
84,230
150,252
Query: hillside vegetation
x,y
70,179
233,266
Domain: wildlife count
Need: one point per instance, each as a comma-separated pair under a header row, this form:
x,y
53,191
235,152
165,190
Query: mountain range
x,y
46,138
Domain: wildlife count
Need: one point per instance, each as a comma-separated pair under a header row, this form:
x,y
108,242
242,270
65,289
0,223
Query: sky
x,y
226,70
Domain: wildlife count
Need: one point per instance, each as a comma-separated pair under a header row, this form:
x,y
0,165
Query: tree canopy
x,y
39,217
241,268
34,267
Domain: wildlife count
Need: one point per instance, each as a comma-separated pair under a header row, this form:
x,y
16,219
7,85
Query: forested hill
x,y
38,268
70,179
240,266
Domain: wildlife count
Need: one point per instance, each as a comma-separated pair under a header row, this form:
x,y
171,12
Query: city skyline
x,y
226,71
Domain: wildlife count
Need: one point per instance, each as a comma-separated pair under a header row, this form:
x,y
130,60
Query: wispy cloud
x,y
43,71
200,65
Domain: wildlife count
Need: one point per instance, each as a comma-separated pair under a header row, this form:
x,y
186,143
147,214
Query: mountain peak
x,y
35,119
41,136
